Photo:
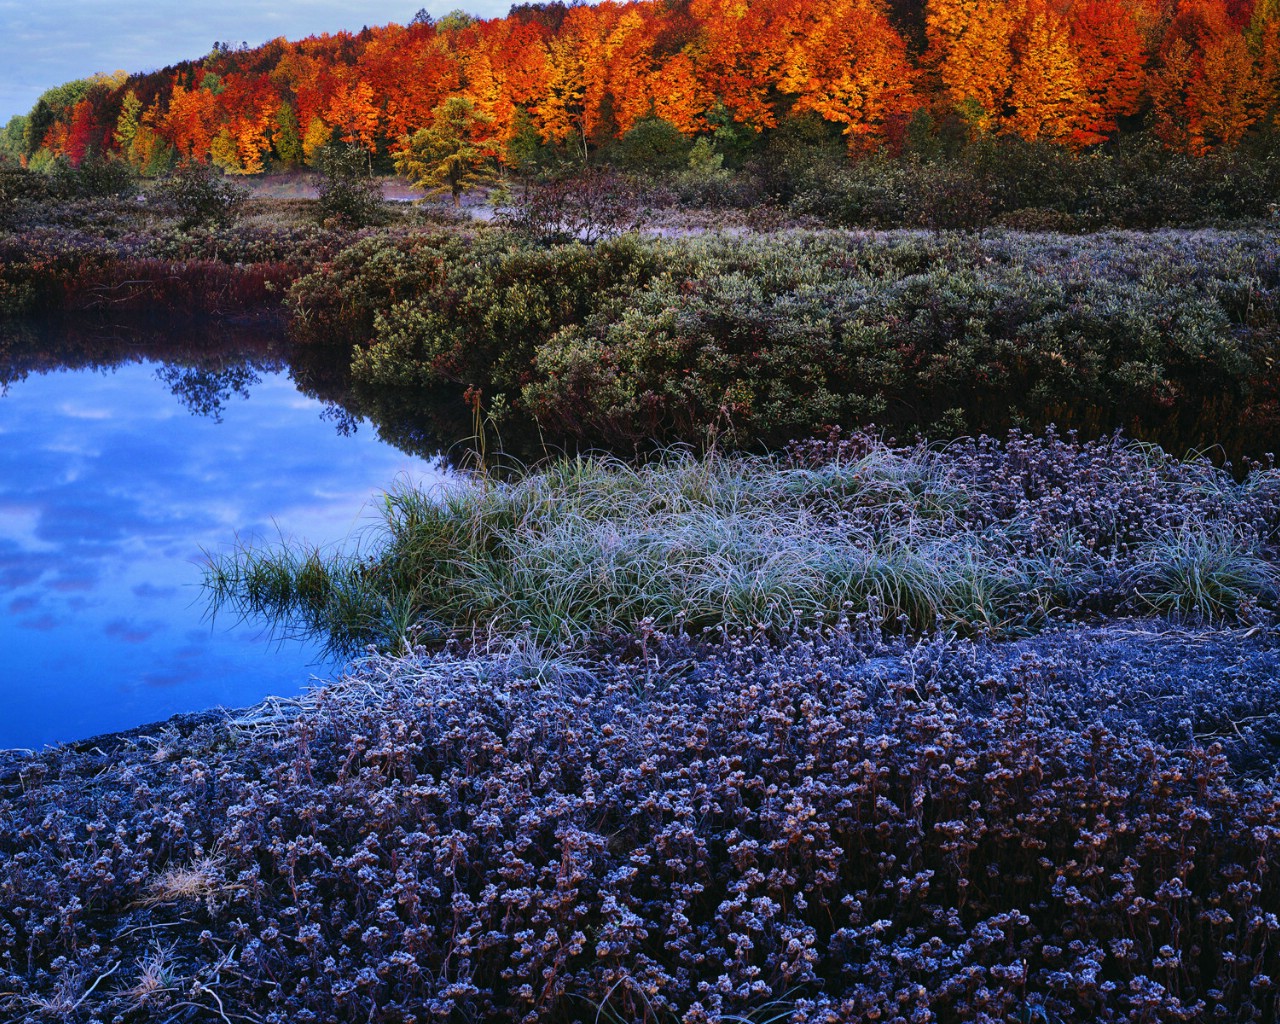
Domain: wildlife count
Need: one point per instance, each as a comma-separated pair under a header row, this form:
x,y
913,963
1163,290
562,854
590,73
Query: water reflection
x,y
122,458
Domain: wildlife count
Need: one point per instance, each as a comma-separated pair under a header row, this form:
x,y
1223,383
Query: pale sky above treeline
x,y
44,43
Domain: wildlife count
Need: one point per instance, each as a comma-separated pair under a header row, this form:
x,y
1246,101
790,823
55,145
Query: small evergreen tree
x,y
448,156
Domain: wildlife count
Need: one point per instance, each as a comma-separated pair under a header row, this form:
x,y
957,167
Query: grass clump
x,y
975,537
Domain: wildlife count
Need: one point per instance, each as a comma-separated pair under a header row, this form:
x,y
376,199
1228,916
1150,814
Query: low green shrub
x,y
1171,336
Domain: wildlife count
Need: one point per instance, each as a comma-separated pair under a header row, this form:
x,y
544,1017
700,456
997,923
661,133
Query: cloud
x,y
173,677
132,632
22,568
151,592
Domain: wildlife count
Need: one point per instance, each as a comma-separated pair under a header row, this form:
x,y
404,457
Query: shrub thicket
x,y
1171,336
587,206
1137,184
836,829
202,270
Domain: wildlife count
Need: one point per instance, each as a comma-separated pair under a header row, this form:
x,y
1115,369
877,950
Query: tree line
x,y
1200,75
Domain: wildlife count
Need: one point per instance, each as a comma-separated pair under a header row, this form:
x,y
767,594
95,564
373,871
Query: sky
x,y
44,43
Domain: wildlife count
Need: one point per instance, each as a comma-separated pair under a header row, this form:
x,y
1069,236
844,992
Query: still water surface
x,y
110,490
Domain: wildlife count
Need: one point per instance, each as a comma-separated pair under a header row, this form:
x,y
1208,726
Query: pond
x,y
123,460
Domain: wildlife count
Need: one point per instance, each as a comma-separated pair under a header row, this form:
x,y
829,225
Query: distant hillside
x,y
1200,74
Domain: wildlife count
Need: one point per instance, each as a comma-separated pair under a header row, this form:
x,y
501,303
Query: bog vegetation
x,y
735,800
751,717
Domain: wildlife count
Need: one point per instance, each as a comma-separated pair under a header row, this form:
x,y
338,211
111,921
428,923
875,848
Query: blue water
x,y
111,489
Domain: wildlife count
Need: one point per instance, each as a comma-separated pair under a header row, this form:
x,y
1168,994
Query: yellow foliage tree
x,y
314,139
971,50
850,66
1048,93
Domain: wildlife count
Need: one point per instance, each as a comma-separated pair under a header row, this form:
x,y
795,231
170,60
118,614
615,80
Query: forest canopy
x,y
1201,75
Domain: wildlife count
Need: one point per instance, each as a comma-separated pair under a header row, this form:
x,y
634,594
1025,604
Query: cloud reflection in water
x,y
109,492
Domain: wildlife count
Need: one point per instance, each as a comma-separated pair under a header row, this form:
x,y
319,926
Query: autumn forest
x,y
1199,74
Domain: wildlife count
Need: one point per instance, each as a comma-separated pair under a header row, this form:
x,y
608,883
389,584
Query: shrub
x,y
452,308
651,146
586,207
1138,183
832,829
349,195
96,177
19,186
956,198
198,196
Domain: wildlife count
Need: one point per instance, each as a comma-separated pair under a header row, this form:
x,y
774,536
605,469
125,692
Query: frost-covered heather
x,y
978,536
1079,826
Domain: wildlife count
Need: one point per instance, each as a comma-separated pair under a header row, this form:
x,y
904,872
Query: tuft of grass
x,y
1203,572
974,540
591,544
158,978
199,881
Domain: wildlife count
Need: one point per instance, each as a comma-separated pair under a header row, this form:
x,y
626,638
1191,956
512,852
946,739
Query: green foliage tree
x,y
129,121
51,107
526,154
447,155
653,144
921,137
453,21
286,139
11,136
348,192
735,141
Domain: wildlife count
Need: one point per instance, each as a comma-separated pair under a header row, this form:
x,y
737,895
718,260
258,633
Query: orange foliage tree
x,y
1110,55
1202,73
1210,86
971,52
848,64
1047,93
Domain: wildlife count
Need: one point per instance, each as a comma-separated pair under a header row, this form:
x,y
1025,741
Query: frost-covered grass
x,y
975,537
